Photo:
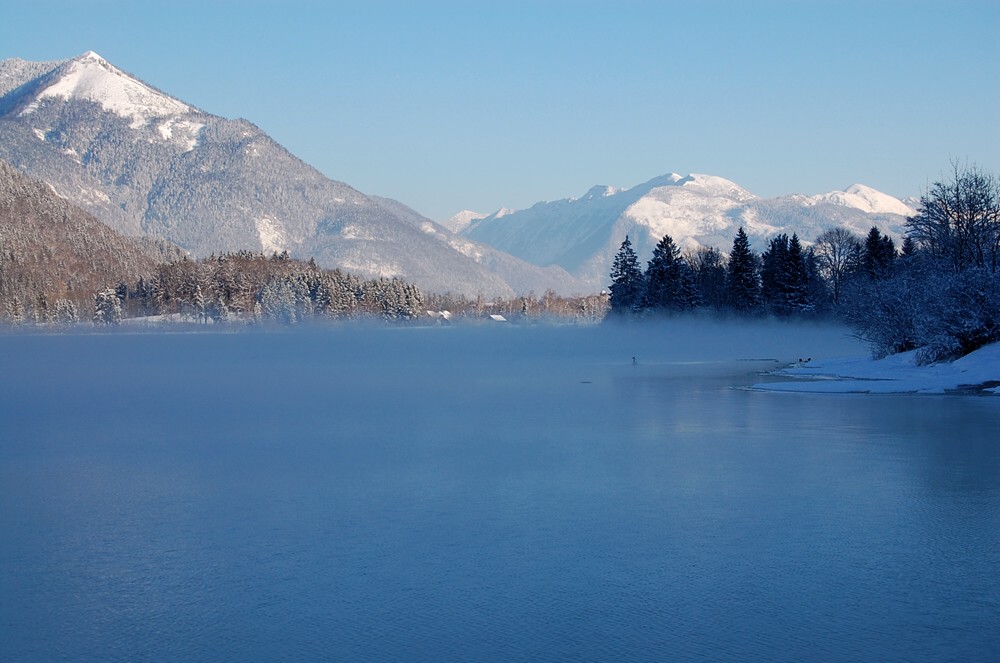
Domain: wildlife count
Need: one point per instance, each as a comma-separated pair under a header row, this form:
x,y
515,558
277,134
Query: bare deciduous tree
x,y
959,221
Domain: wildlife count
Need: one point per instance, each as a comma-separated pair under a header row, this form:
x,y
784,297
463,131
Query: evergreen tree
x,y
15,310
774,272
65,312
663,276
785,279
627,281
107,307
709,271
797,287
878,255
198,307
742,282
688,295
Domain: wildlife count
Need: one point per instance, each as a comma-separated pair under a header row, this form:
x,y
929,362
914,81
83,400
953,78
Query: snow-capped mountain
x,y
583,234
148,164
462,220
90,77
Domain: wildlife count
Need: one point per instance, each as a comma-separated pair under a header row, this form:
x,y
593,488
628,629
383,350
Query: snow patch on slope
x,y
181,130
466,248
272,237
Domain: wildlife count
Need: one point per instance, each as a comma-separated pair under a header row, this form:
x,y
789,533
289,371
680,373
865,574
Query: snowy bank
x,y
977,372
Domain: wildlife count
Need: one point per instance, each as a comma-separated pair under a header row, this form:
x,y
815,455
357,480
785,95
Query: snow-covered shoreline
x,y
977,372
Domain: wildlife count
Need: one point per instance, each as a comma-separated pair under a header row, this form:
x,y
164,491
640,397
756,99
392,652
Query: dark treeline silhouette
x,y
784,280
940,293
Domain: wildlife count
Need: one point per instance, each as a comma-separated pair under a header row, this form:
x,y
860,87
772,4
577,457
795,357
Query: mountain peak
x,y
89,77
462,220
600,191
91,56
866,199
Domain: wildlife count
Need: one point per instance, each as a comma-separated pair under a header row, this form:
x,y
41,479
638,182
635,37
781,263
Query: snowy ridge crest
x,y
90,77
697,210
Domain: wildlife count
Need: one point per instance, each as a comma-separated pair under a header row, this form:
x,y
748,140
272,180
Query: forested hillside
x,y
54,256
59,264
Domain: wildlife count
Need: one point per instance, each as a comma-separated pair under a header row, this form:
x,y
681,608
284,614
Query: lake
x,y
486,494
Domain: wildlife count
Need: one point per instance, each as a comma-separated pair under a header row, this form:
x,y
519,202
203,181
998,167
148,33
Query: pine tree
x,y
65,312
627,282
797,292
15,311
198,307
742,283
663,276
878,255
774,273
785,277
710,276
688,294
107,307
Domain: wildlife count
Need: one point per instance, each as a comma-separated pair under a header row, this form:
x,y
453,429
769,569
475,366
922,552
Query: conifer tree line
x,y
938,293
247,286
784,280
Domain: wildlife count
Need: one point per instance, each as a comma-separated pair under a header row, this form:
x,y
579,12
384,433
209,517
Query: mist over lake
x,y
486,493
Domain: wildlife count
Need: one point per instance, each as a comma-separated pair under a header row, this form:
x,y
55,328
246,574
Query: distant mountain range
x,y
582,235
150,165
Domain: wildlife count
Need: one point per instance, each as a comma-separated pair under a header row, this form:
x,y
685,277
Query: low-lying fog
x,y
485,493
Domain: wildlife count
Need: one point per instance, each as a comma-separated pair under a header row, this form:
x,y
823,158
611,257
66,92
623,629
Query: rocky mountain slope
x,y
148,164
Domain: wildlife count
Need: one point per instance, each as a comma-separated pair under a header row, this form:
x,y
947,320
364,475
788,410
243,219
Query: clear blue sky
x,y
478,105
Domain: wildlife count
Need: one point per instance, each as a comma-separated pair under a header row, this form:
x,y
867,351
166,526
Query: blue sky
x,y
477,105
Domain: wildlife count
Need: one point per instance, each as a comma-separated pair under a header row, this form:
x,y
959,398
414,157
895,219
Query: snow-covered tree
x,y
107,307
65,312
15,310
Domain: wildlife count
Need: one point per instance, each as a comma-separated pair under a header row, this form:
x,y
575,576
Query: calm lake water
x,y
485,494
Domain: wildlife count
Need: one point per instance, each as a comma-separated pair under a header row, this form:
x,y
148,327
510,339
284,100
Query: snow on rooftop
x,y
90,77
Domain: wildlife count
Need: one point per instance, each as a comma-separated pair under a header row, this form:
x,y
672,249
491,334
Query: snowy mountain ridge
x,y
869,200
697,210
